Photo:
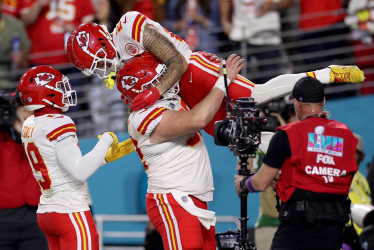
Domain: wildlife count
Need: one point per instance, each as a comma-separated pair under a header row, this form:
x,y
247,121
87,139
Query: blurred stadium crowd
x,y
276,37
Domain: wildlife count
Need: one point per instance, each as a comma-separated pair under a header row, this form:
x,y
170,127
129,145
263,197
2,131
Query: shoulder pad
x,y
59,127
146,120
133,24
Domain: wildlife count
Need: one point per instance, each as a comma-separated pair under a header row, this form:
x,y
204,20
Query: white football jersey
x,y
179,164
60,191
128,36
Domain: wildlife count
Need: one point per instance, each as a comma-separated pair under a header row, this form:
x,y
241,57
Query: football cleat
x,y
346,74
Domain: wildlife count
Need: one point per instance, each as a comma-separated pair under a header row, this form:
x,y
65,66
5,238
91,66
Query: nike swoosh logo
x,y
125,19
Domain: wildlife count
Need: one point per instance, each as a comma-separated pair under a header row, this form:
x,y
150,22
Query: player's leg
x,y
209,235
178,228
283,84
46,223
73,230
199,79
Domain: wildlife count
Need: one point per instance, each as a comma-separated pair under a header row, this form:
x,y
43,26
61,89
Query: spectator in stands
x,y
360,18
11,7
254,26
49,23
107,109
19,192
14,49
143,6
324,35
195,22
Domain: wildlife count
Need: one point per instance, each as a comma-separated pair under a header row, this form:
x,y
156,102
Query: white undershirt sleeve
x,y
70,157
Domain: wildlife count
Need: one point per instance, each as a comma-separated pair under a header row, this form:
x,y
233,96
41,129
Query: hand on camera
x,y
239,185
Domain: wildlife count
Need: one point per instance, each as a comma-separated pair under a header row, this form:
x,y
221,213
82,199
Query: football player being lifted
x,y
51,144
93,50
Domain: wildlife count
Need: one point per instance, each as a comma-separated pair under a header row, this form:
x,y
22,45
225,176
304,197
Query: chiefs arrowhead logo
x,y
132,49
43,78
128,82
83,38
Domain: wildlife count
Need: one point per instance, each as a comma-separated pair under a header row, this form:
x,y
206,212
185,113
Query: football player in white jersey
x,y
51,144
93,50
168,140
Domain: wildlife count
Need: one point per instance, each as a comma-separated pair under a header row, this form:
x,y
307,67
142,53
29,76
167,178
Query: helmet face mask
x,y
44,86
91,49
101,66
139,73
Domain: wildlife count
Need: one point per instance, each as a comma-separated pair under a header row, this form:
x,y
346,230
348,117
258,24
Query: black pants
x,y
296,233
19,230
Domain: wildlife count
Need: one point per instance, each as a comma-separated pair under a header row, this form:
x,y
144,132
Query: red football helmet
x,y
139,73
91,49
43,86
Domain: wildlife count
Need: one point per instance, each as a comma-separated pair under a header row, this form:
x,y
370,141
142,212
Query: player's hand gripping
x,y
145,99
234,64
118,150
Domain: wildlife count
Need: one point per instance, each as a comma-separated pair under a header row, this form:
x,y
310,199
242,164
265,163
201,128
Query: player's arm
x,y
164,50
176,123
258,182
176,65
225,10
81,167
30,15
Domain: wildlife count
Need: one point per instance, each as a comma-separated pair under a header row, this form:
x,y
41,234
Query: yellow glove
x,y
110,81
118,150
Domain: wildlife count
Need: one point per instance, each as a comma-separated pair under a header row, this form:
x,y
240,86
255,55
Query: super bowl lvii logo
x,y
318,142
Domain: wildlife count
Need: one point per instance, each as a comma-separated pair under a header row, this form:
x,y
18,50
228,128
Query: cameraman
x,y
19,192
317,160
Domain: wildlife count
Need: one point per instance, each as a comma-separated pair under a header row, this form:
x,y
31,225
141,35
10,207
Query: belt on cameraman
x,y
299,205
304,204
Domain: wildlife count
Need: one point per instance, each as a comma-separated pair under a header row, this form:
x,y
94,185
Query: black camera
x,y
279,106
241,131
8,108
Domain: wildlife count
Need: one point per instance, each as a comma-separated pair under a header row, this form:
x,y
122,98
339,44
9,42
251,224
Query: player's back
x,y
128,36
60,191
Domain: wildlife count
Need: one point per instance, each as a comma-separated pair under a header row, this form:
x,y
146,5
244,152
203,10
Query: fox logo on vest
x,y
331,145
325,159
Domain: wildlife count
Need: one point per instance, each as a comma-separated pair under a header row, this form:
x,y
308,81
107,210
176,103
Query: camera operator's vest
x,y
322,158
